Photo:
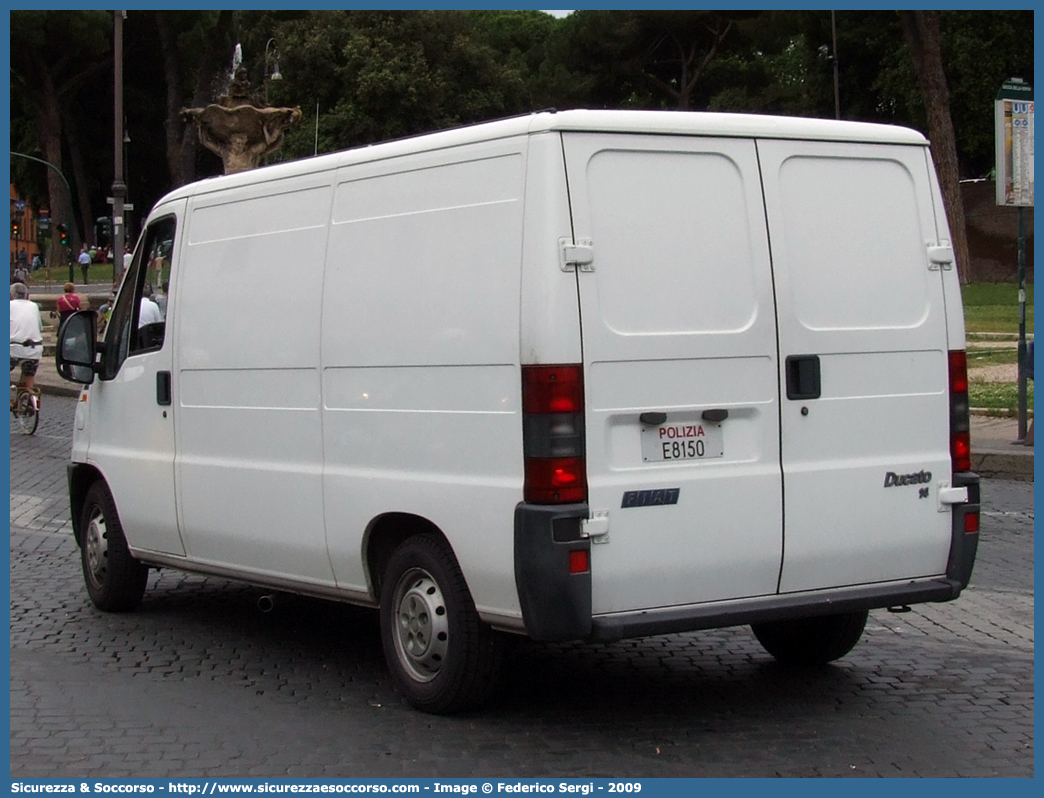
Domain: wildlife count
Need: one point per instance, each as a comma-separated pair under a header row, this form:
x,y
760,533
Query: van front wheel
x,y
811,641
115,580
441,656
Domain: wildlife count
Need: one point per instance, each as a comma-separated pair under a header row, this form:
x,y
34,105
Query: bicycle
x,y
25,402
25,407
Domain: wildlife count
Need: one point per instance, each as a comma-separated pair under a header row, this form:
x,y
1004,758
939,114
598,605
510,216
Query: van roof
x,y
686,123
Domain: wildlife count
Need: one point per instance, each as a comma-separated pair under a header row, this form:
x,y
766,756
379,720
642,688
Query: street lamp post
x,y
119,188
275,75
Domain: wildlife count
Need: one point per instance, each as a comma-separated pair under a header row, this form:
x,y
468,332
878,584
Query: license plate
x,y
671,442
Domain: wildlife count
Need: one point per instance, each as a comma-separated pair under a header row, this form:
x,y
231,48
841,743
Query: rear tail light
x,y
960,424
553,434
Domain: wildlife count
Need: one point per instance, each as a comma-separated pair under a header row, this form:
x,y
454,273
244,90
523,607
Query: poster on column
x,y
1014,131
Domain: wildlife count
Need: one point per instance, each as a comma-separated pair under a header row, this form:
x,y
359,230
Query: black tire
x,y
441,656
27,413
811,641
115,580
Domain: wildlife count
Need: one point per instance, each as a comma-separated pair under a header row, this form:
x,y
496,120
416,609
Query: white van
x,y
584,375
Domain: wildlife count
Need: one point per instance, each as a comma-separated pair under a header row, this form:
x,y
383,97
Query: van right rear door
x,y
863,350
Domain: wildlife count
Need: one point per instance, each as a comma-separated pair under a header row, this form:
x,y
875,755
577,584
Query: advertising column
x,y
1013,117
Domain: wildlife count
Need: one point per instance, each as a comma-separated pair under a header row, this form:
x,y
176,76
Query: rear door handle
x,y
803,378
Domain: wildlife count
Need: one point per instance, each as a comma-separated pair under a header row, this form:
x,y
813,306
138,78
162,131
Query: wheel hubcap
x,y
96,548
421,625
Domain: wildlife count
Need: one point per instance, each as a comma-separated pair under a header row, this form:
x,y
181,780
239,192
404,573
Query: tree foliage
x,y
366,76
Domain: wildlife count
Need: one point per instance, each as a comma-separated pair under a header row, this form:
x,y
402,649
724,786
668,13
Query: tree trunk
x,y
921,29
83,194
49,125
173,126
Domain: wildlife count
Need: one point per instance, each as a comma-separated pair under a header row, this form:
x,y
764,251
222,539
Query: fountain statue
x,y
239,131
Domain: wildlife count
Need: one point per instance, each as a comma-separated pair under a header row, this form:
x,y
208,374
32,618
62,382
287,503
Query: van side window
x,y
138,321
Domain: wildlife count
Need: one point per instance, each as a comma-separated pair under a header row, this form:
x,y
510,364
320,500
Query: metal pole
x,y
1022,324
119,188
268,77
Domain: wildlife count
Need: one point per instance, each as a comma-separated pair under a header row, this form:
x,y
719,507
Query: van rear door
x,y
863,362
679,347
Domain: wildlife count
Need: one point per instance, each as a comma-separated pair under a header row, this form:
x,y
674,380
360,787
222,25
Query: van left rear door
x,y
679,337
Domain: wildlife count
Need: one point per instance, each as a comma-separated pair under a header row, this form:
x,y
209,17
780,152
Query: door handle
x,y
803,377
163,388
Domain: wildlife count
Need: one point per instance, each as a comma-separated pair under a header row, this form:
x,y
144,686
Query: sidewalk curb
x,y
58,390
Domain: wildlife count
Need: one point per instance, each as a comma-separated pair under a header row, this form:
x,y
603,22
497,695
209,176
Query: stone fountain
x,y
239,131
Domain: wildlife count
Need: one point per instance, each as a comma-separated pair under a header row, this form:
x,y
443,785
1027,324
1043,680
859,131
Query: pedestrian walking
x,y
158,264
85,263
1028,440
68,303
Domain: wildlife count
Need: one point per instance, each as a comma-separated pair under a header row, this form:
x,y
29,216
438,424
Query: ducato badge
x,y
893,480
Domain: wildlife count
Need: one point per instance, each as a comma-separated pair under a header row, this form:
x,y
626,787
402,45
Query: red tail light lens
x,y
960,424
553,434
959,372
552,389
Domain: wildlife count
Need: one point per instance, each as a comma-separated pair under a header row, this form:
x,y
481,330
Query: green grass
x,y
994,308
999,396
992,356
100,275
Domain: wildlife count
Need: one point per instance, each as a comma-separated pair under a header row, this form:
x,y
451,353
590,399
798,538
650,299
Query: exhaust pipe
x,y
266,603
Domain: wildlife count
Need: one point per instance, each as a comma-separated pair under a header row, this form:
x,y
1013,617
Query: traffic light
x,y
63,235
15,228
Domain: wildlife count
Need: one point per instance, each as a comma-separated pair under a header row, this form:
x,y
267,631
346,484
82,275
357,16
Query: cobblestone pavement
x,y
198,682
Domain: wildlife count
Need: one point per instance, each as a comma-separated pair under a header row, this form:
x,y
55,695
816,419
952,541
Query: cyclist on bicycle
x,y
26,335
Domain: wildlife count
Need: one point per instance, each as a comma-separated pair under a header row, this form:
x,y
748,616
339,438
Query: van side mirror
x,y
77,347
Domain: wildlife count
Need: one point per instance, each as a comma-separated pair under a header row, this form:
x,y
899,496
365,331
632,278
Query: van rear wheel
x,y
115,580
441,656
811,641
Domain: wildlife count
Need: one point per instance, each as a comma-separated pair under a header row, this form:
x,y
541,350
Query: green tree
x,y
58,55
378,75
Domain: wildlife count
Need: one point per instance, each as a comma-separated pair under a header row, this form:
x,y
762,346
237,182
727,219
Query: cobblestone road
x,y
198,682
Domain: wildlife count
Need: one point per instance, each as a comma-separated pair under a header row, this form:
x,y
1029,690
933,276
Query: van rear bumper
x,y
963,545
556,604
607,628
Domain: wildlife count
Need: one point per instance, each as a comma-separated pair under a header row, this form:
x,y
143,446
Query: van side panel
x,y
249,442
420,357
864,458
